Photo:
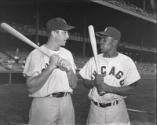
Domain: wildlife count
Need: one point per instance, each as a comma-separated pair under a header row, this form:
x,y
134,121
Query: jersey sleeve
x,y
71,60
132,73
87,71
32,65
73,64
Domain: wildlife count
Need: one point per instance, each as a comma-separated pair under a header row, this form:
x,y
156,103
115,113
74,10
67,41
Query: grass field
x,y
14,103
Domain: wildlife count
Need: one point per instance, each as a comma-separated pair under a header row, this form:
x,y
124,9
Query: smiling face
x,y
108,44
61,37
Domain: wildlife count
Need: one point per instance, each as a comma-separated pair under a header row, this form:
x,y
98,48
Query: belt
x,y
58,94
103,105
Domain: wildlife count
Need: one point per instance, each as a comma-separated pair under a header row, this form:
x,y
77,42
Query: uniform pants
x,y
112,115
52,111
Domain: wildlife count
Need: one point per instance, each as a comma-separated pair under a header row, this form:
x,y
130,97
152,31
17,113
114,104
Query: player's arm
x,y
123,90
87,83
72,77
71,73
87,74
34,83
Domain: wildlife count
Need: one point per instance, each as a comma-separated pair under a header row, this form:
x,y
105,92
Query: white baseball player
x,y
118,76
51,80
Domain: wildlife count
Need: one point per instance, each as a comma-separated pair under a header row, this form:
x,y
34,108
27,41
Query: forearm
x,y
36,83
124,91
88,83
72,78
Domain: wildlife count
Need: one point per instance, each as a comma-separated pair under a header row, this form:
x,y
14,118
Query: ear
x,y
53,33
115,42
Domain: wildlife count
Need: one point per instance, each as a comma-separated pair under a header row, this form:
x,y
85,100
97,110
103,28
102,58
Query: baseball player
x,y
51,80
118,76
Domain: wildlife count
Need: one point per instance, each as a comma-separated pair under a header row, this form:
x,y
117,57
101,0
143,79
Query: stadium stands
x,y
127,7
75,36
9,64
79,60
146,68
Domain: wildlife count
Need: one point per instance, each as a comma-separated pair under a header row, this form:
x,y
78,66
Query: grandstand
x,y
128,7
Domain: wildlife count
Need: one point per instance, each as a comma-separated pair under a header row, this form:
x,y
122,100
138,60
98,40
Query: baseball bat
x,y
94,45
20,36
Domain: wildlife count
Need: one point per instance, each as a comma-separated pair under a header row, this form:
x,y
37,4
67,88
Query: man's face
x,y
61,37
107,44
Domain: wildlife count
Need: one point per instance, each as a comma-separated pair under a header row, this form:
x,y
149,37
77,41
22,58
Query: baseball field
x,y
15,103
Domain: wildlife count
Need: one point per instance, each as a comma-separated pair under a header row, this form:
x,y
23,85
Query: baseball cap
x,y
58,23
110,31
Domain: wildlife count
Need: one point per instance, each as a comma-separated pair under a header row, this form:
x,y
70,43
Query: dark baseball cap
x,y
110,31
58,23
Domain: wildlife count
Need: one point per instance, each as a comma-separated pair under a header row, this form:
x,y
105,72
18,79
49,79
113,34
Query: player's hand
x,y
99,83
99,79
54,59
64,65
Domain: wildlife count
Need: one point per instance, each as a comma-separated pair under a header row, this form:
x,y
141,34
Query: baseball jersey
x,y
118,71
36,62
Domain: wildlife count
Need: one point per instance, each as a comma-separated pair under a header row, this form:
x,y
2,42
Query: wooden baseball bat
x,y
94,45
20,36
94,48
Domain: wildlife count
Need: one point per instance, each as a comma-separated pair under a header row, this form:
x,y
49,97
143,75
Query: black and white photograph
x,y
78,62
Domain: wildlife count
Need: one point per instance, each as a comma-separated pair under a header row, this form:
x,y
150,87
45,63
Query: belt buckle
x,y
98,104
66,93
104,105
115,102
50,95
60,94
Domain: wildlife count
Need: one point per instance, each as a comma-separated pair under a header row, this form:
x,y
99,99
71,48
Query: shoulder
x,y
65,51
35,53
127,61
91,61
125,57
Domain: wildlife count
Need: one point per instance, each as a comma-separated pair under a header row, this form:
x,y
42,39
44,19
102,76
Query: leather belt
x,y
103,105
58,94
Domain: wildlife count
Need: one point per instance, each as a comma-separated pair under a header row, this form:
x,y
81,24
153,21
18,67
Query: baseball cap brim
x,y
66,27
102,34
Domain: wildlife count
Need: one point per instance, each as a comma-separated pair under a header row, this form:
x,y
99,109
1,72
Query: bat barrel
x,y
94,45
20,36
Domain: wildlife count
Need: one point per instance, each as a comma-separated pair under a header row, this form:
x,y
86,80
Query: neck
x,y
51,44
110,54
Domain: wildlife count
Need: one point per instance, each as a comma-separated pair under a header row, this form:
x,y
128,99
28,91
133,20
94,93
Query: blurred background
x,y
136,19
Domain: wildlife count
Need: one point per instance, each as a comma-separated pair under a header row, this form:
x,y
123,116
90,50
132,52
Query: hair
x,y
49,33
